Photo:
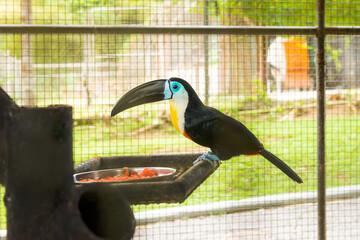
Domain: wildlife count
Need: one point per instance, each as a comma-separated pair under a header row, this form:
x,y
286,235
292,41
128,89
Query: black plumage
x,y
225,136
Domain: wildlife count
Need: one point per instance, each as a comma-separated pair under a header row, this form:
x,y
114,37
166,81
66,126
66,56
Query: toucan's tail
x,y
281,165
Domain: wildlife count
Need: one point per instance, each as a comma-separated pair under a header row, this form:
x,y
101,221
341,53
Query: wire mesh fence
x,y
268,82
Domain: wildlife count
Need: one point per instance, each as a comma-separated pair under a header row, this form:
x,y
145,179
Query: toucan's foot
x,y
210,157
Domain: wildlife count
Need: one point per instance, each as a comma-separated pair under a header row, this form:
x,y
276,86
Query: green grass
x,y
2,209
241,177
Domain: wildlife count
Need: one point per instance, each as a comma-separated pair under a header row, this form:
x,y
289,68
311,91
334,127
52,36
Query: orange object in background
x,y
297,63
146,173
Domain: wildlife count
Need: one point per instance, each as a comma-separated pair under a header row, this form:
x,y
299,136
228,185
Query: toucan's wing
x,y
228,137
225,136
231,137
234,139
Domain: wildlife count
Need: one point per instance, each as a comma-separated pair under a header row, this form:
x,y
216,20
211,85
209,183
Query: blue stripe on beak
x,y
167,92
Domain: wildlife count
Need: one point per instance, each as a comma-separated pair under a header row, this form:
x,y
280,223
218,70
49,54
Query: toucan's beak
x,y
152,91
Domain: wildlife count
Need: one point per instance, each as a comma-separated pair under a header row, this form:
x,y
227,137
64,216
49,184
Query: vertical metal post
x,y
321,186
206,53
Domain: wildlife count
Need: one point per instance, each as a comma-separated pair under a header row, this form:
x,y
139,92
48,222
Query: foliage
x,y
58,48
286,13
259,93
271,13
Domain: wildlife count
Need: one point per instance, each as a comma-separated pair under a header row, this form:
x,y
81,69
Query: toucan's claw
x,y
210,157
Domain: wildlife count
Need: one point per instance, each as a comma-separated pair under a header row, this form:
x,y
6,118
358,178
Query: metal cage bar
x,y
207,30
321,170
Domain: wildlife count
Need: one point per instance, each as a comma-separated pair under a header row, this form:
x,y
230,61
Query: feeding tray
x,y
124,175
174,187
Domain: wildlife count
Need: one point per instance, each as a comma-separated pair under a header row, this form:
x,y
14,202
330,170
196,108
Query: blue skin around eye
x,y
175,89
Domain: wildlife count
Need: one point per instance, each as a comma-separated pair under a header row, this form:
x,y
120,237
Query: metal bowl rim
x,y
172,171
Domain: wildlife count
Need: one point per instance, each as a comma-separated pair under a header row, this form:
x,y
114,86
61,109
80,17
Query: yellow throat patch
x,y
174,118
175,121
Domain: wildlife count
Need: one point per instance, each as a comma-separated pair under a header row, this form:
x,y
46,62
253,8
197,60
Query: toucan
x,y
206,126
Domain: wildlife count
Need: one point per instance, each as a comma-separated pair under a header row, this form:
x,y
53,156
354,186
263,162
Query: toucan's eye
x,y
175,87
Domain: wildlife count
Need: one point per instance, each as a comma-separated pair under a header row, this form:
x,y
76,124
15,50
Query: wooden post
x,y
36,167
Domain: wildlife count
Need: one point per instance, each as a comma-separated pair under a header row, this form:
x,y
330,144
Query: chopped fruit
x,y
146,173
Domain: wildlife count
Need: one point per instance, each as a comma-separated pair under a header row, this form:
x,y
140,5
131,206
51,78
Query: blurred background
x,y
268,82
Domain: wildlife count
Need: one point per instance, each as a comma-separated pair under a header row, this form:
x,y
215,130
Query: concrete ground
x,y
281,223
